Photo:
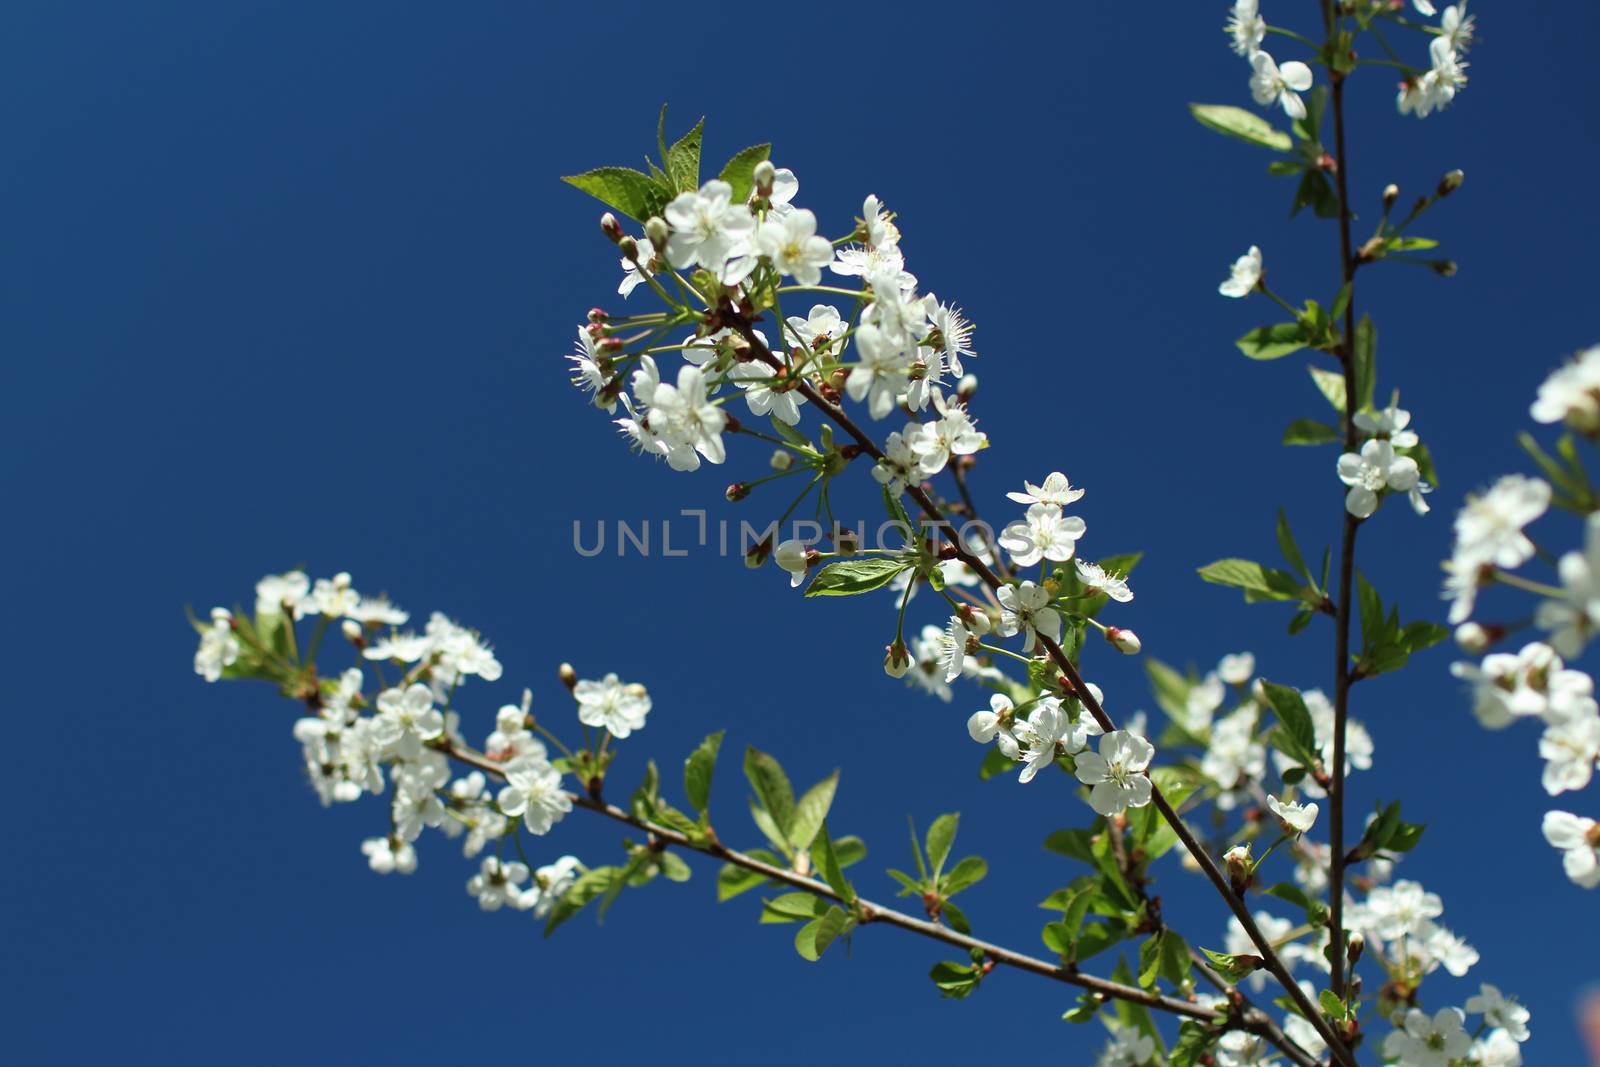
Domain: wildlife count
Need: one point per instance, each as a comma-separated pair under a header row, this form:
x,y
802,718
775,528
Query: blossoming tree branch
x,y
799,359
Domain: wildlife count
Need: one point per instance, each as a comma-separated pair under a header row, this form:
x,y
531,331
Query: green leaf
x,y
812,809
1171,688
1291,893
995,762
1330,384
849,849
731,880
1274,341
1332,1006
1232,969
683,159
813,939
739,171
624,189
940,836
827,864
1290,709
956,980
1317,193
1366,361
793,907
968,872
1075,844
697,771
1194,1041
1291,550
955,917
850,577
1245,125
772,787
1258,582
1409,244
1175,961
1150,960
1088,1005
592,883
1309,432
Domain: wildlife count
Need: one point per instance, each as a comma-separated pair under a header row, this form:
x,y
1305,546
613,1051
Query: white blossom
x,y
406,718
497,884
1294,818
790,241
952,435
1245,274
388,855
1499,1010
1571,394
1247,27
1096,580
611,705
1271,84
1570,749
277,591
689,425
1378,468
1579,840
1115,774
1026,609
710,231
1531,682
219,646
1043,534
1489,527
1572,619
1055,490
533,793
1428,1041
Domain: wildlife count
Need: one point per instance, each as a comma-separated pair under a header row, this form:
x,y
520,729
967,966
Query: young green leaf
x,y
940,837
1245,125
627,190
772,788
1309,432
738,171
1274,341
850,577
683,159
594,882
813,939
811,810
697,771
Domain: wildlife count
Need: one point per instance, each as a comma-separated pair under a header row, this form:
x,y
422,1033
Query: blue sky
x,y
291,284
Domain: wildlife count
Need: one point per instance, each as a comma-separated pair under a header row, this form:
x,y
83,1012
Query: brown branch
x,y
1347,549
1079,688
1251,1019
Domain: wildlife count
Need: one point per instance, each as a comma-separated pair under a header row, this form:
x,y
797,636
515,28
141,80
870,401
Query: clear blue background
x,y
291,284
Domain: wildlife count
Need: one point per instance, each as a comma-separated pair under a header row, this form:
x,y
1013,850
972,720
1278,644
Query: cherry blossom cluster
x,y
896,349
1423,90
375,736
1538,682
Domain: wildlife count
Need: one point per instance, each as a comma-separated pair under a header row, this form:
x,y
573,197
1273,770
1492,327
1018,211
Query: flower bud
x,y
1239,866
793,556
221,615
758,553
656,229
1124,641
629,249
763,176
736,492
611,227
568,676
1451,182
782,459
352,632
967,386
1353,946
898,661
597,316
1391,193
975,620
1444,268
1473,638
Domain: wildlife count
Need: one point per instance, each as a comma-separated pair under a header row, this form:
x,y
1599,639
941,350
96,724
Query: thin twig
x,y
1252,1019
